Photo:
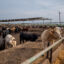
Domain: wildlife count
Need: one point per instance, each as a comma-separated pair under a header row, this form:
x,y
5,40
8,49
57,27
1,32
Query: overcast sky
x,y
31,8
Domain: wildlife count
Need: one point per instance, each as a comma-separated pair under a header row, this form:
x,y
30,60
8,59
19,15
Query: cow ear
x,y
51,31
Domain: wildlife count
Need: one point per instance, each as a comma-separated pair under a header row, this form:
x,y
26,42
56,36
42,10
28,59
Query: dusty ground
x,y
21,52
18,54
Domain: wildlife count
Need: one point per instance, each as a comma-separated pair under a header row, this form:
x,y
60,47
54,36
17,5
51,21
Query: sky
x,y
13,9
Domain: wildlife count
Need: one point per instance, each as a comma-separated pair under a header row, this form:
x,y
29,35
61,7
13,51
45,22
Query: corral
x,y
22,52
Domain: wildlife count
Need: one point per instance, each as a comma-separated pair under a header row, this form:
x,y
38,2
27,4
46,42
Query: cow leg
x,y
45,45
20,41
23,40
6,45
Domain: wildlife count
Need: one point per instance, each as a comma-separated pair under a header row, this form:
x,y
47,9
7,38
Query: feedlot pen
x,y
23,52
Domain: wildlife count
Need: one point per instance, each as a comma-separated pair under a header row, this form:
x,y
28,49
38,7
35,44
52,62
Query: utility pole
x,y
43,22
59,18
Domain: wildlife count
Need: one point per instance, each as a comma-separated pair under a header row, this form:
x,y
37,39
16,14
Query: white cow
x,y
50,35
10,41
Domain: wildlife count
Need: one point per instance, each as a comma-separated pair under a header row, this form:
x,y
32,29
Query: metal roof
x,y
25,19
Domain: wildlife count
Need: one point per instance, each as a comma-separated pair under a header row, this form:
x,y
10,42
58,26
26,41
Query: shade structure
x,y
25,19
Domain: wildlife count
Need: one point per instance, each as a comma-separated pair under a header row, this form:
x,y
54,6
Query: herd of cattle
x,y
7,40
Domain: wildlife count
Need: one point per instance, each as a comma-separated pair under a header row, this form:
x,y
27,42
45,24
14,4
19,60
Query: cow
x,y
10,41
0,32
2,44
25,29
28,37
50,35
18,29
4,28
12,30
4,33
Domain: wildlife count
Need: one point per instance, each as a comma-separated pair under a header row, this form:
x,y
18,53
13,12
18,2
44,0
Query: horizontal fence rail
x,y
33,22
32,59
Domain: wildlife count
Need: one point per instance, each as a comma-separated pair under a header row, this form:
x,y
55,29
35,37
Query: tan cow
x,y
50,35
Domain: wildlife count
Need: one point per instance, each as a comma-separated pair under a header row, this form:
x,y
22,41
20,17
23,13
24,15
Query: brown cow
x,y
12,29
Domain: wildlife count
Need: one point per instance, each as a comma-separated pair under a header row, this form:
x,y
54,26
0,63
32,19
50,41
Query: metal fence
x,y
35,22
32,59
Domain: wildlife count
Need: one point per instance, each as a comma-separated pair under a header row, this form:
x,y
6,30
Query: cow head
x,y
13,43
56,32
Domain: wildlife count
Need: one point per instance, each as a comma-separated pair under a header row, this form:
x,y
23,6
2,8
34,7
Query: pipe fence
x,y
32,59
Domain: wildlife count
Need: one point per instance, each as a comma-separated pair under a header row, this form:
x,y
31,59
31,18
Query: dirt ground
x,y
21,52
